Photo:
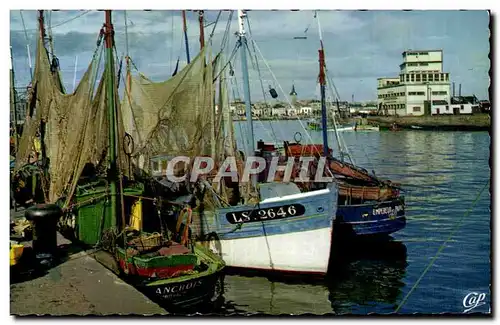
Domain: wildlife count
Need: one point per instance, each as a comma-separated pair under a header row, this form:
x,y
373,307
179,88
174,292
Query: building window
x,y
431,77
461,107
447,108
424,77
423,64
407,78
417,77
403,105
416,108
447,77
412,77
436,77
423,53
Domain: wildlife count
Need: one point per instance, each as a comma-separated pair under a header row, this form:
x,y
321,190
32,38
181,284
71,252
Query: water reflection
x,y
367,277
441,172
363,278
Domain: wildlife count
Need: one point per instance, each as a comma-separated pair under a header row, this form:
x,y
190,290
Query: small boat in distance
x,y
316,126
366,127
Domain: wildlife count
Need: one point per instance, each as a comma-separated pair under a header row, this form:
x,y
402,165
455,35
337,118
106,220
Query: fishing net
x,y
177,117
76,125
174,117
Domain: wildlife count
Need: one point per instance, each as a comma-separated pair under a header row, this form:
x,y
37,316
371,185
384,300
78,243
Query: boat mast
x,y
202,29
41,22
184,24
322,81
74,75
13,97
127,57
110,91
322,84
246,86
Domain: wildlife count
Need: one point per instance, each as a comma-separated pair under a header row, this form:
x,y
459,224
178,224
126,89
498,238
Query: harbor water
x,y
442,174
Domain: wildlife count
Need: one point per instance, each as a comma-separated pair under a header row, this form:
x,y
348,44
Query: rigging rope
x,y
260,77
443,245
126,32
215,25
71,19
27,44
272,134
284,94
63,22
171,40
225,38
235,49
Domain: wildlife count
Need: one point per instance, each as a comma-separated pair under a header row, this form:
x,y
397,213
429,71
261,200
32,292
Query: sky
x,y
360,46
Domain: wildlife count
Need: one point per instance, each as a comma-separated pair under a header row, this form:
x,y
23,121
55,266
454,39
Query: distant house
x,y
458,105
306,111
441,107
278,111
465,105
291,112
256,112
485,105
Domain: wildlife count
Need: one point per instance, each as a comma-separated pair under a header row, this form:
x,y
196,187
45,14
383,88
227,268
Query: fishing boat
x,y
368,206
106,204
366,127
313,125
252,225
316,126
343,128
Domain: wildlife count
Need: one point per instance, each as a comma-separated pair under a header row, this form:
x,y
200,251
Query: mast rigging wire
x,y
27,44
286,97
61,23
441,248
260,76
215,25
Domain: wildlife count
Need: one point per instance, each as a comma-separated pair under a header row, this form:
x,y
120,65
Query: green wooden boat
x,y
202,287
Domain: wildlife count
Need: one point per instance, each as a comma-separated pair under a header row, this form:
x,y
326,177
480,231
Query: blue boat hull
x,y
371,219
287,234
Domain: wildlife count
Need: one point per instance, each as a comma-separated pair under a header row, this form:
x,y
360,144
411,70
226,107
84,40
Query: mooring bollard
x,y
44,218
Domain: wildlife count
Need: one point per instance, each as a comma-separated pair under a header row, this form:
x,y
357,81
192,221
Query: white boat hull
x,y
300,252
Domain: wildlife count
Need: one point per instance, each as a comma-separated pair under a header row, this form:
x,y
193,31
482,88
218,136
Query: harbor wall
x,y
438,122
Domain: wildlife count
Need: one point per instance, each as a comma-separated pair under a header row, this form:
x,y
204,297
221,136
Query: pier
x,y
78,285
475,122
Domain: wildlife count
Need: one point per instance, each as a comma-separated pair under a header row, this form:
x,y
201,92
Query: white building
x,y
278,111
421,82
291,112
457,105
306,110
